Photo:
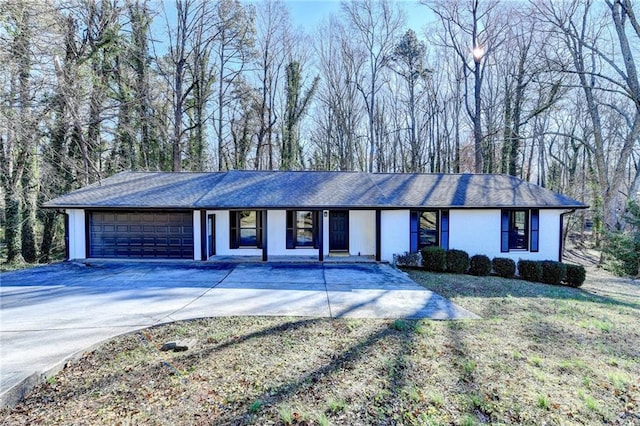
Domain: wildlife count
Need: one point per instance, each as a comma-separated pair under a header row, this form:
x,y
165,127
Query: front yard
x,y
541,354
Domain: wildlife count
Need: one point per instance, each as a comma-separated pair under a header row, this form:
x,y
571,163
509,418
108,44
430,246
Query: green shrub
x,y
576,274
504,267
553,272
434,259
457,261
530,270
480,265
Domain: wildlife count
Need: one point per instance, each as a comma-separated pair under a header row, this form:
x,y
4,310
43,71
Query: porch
x,y
331,258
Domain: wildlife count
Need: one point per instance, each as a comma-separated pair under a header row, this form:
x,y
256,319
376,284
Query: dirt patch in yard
x,y
542,354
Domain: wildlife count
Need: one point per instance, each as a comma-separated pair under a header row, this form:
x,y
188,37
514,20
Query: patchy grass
x,y
542,355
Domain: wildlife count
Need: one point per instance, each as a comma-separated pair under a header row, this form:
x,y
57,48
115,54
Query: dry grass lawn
x,y
541,355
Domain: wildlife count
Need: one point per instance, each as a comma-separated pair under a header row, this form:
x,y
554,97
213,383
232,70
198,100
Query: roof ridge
x,y
298,171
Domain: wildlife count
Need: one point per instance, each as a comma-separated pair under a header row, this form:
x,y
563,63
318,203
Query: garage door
x,y
167,235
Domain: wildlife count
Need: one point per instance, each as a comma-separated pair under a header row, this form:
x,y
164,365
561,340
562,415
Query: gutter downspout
x,y
562,233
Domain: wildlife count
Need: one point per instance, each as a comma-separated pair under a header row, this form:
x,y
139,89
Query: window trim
x,y
292,230
442,228
235,229
532,230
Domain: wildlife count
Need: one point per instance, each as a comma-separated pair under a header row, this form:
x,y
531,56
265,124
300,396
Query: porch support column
x,y
203,235
67,250
265,255
321,236
87,236
378,234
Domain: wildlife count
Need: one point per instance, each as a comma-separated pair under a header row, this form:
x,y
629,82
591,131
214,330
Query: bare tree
x,y
273,41
340,68
583,28
409,56
233,51
187,72
376,24
473,32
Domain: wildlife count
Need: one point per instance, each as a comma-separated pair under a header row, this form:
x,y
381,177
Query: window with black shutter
x,y
428,228
245,229
519,229
301,228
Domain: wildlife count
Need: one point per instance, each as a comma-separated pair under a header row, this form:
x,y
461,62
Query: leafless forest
x,y
544,90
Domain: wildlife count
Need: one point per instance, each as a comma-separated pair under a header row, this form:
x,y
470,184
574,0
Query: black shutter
x,y
259,229
233,229
535,229
316,229
414,231
290,230
66,236
504,231
444,229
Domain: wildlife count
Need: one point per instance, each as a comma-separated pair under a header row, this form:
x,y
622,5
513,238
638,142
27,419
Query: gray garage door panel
x,y
167,235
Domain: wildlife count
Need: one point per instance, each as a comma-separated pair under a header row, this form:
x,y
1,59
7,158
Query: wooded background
x,y
544,90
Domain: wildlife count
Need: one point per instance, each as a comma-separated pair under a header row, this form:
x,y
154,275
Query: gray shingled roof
x,y
293,188
467,190
310,189
141,189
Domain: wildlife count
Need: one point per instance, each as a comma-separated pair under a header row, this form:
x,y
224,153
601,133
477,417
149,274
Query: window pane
x,y
428,229
518,230
304,228
304,219
248,237
304,237
248,219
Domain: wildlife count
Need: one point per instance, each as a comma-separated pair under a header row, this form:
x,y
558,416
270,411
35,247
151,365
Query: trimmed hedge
x,y
530,270
457,261
576,274
437,259
434,259
504,267
480,265
553,272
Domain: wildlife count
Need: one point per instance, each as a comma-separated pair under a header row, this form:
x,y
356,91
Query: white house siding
x,y
475,231
277,237
197,233
549,235
77,230
362,232
394,232
478,232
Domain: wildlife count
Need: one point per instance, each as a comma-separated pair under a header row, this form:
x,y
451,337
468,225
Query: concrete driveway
x,y
52,313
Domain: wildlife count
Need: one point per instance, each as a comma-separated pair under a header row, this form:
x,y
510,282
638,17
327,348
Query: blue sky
x,y
309,13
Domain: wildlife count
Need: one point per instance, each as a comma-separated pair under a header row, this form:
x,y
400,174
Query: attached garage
x,y
136,234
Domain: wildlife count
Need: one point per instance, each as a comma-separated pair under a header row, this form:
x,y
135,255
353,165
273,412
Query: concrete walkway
x,y
53,313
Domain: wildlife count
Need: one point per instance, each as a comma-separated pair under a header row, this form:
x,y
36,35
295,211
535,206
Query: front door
x,y
339,230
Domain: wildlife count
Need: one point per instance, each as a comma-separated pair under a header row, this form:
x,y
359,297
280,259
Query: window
x,y
520,230
246,229
429,228
301,229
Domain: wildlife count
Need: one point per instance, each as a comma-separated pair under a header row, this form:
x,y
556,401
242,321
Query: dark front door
x,y
339,230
